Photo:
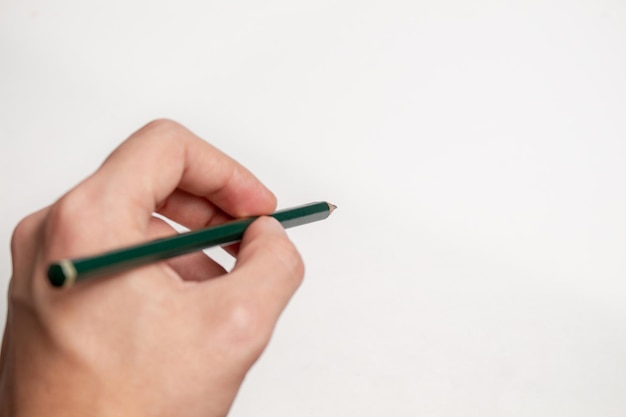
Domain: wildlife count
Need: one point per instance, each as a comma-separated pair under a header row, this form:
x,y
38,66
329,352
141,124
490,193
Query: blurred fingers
x,y
195,266
113,207
191,211
162,157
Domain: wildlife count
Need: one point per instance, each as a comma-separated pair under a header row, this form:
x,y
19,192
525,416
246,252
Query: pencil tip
x,y
332,207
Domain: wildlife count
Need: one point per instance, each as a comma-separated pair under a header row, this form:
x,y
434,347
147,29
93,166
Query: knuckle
x,y
67,218
68,209
160,126
25,241
22,233
168,134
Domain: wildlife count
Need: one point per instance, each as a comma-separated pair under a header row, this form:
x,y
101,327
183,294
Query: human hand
x,y
169,339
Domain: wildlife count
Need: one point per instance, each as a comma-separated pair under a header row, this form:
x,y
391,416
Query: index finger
x,y
164,156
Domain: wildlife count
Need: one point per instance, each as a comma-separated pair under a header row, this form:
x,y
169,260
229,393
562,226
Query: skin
x,y
170,339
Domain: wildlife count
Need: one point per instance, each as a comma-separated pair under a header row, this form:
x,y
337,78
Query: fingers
x,y
164,156
191,211
196,266
160,160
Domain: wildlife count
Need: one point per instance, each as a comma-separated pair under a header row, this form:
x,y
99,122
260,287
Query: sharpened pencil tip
x,y
332,207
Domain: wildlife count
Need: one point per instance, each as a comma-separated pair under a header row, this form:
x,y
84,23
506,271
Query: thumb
x,y
269,268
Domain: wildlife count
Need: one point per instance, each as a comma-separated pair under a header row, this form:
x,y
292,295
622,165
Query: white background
x,y
476,151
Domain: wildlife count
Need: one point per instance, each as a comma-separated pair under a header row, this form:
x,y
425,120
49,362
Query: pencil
x,y
67,272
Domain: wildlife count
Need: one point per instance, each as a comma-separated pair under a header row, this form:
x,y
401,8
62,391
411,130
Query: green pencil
x,y
66,272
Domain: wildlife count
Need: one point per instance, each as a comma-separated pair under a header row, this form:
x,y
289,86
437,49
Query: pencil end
x,y
332,207
56,275
62,274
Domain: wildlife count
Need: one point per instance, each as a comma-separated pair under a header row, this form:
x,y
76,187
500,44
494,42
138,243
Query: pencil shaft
x,y
67,271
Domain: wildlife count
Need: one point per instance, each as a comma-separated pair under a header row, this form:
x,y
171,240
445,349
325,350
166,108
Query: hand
x,y
169,339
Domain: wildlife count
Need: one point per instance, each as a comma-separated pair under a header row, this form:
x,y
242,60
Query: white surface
x,y
476,151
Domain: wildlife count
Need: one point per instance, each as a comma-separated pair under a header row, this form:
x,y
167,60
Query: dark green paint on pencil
x,y
68,271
